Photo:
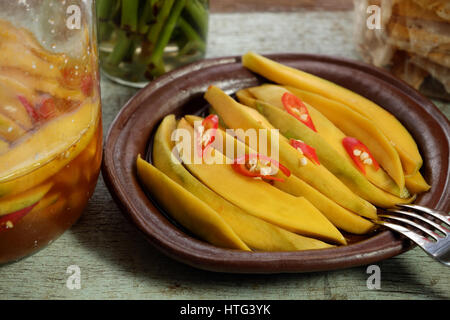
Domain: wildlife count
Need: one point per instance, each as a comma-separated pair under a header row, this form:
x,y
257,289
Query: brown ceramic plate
x,y
181,92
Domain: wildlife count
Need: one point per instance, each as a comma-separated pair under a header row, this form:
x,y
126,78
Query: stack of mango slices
x,y
48,112
335,164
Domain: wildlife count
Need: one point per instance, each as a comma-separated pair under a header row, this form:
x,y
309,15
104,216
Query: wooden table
x,y
117,263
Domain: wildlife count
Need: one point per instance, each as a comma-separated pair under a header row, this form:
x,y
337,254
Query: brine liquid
x,y
72,187
50,138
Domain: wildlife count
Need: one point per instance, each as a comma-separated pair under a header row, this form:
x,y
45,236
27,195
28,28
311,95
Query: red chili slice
x,y
211,122
307,150
47,107
87,85
29,108
240,166
10,220
351,144
295,107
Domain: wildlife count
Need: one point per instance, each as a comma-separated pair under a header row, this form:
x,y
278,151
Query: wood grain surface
x,y
278,6
117,263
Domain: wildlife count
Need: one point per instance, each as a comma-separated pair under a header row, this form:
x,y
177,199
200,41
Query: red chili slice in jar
x,y
47,107
243,166
87,85
210,123
295,107
10,220
306,149
359,153
29,108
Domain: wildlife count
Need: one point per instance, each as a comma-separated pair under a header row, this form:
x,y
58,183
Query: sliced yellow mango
x,y
48,200
272,94
12,108
4,146
339,216
10,33
17,202
16,55
10,130
386,122
45,152
188,210
238,116
355,125
292,128
417,184
259,198
256,233
11,84
37,83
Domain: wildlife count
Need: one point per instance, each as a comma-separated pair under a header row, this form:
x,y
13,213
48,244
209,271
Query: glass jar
x,y
140,40
50,120
410,38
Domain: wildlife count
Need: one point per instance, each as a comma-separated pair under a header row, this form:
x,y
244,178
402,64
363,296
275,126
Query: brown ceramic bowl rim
x,y
128,136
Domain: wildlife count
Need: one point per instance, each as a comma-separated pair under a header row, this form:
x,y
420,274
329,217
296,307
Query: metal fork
x,y
433,238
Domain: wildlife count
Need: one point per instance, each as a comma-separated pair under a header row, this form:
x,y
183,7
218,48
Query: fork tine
x,y
415,237
411,223
445,218
421,218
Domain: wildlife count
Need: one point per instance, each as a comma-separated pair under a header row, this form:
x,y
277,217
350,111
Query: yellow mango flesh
x,y
416,183
62,139
339,216
256,233
26,60
387,123
261,199
236,116
291,127
4,146
9,130
271,94
51,140
46,201
18,202
10,33
355,125
188,210
19,79
11,107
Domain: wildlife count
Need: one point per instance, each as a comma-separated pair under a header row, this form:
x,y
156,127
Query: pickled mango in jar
x,y
50,139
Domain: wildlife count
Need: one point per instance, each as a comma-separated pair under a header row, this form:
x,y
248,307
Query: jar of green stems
x,y
140,40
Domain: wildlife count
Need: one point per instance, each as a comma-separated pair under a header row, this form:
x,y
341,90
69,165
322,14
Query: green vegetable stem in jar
x,y
140,40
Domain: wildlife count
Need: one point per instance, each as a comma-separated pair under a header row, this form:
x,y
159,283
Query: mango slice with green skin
x,y
292,128
339,216
238,116
272,94
256,233
48,200
417,183
187,209
355,125
9,129
62,139
258,198
387,123
18,202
